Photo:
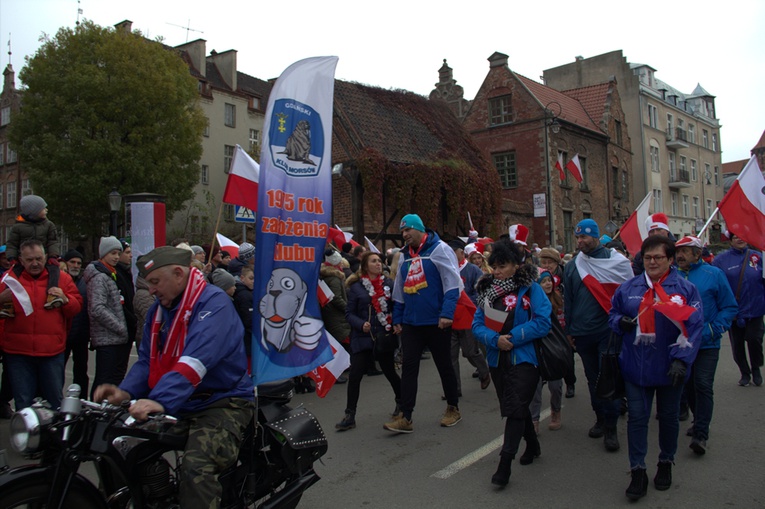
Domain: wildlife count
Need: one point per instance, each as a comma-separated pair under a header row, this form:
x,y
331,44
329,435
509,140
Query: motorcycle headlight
x,y
26,426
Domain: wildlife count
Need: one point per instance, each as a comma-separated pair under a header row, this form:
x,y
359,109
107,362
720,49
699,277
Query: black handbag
x,y
554,356
610,384
385,341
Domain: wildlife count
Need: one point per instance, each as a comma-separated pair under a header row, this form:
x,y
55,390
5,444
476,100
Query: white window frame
x,y
229,114
5,116
686,206
228,157
204,176
658,205
705,138
254,138
673,197
672,166
696,207
692,133
653,120
10,193
694,170
655,161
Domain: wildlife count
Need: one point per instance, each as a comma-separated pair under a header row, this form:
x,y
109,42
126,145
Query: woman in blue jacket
x,y
512,312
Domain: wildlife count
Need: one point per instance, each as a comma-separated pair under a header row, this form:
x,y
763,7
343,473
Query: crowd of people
x,y
663,310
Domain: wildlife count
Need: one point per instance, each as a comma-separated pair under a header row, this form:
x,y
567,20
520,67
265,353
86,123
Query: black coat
x,y
358,311
243,305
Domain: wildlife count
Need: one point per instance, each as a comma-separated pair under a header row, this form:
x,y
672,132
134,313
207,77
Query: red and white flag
x,y
634,231
602,276
743,207
371,246
327,374
339,237
325,293
242,183
227,245
575,167
559,165
494,318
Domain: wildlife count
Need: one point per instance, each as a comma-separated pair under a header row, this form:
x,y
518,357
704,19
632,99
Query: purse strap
x,y
741,273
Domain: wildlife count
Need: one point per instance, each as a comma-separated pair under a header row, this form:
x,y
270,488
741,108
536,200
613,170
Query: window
x,y
26,187
696,206
714,142
499,110
686,212
705,138
1,197
683,168
206,132
568,231
229,115
694,171
709,209
583,185
681,124
5,116
505,164
707,174
673,197
658,206
254,138
11,155
615,181
717,175
691,133
618,132
10,201
670,124
228,212
655,164
204,178
228,156
254,103
672,167
652,116
2,154
564,157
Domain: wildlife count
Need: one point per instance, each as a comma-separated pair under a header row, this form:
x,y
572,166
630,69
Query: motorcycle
x,y
137,464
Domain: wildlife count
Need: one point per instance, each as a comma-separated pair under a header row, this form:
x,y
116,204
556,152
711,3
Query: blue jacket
x,y
720,306
439,298
525,328
470,275
751,298
214,346
646,364
357,312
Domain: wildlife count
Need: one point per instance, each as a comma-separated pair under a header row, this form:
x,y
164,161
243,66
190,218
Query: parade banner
x,y
294,208
147,229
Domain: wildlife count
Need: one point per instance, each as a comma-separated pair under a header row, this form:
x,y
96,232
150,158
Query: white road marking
x,y
479,453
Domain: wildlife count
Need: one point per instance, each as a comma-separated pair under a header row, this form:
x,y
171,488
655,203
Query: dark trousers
x,y
414,339
6,394
360,362
700,390
589,349
746,338
111,365
78,348
515,386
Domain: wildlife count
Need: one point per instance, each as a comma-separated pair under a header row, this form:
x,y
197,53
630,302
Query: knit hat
x,y
222,279
605,239
412,221
125,244
689,241
551,254
197,250
31,205
518,234
107,245
334,258
160,257
73,253
456,244
246,251
587,227
543,273
657,221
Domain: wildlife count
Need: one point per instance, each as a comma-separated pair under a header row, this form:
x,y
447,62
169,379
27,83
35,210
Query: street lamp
x,y
553,121
115,202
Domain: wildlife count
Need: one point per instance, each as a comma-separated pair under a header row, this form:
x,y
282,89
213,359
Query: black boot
x,y
533,450
639,485
597,430
348,422
611,440
663,479
502,476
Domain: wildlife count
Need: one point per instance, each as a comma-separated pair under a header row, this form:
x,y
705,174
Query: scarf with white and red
x,y
674,307
379,295
415,276
163,362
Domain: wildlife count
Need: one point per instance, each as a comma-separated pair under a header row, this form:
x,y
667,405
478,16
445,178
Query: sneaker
x,y
756,377
663,479
699,446
597,430
639,485
485,381
611,440
744,382
570,392
685,413
451,417
399,425
348,422
555,423
53,302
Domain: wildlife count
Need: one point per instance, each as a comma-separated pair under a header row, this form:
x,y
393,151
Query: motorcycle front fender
x,y
38,475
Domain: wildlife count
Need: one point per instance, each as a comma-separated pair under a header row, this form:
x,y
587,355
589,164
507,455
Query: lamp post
x,y
115,203
551,121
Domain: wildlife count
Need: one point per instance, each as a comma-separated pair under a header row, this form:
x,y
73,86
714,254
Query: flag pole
x,y
717,209
215,233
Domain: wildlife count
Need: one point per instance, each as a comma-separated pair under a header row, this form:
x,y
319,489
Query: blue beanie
x,y
587,227
412,221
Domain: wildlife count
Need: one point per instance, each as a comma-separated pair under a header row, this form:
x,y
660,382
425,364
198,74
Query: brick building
x,y
14,182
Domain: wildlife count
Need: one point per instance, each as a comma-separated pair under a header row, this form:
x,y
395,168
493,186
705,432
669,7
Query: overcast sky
x,y
402,44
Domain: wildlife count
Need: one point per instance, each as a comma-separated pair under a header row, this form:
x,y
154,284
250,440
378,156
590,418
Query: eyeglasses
x,y
656,258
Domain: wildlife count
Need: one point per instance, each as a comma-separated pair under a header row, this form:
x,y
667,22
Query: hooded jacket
x,y
41,229
105,309
751,298
333,313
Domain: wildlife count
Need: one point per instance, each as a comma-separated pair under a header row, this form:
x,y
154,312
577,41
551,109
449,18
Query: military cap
x,y
162,256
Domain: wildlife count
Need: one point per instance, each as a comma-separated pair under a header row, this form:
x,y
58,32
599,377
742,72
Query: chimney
x,y
124,26
226,64
196,51
497,59
578,58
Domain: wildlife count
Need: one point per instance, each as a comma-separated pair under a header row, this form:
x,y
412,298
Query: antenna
x,y
187,28
79,12
9,48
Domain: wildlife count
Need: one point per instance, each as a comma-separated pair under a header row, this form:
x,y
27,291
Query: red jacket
x,y
43,333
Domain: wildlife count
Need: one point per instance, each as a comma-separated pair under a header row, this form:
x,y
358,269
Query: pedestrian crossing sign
x,y
244,215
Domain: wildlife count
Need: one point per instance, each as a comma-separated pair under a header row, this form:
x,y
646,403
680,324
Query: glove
x,y
676,373
740,323
627,324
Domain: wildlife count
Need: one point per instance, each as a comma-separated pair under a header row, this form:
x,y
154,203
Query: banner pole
x,y
215,233
717,209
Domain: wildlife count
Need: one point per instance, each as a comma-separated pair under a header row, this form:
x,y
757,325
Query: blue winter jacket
x,y
644,364
751,298
439,298
720,306
470,275
527,326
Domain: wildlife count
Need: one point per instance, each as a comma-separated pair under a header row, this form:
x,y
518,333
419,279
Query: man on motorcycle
x,y
191,364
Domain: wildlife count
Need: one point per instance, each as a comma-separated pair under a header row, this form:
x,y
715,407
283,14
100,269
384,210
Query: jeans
x,y
414,339
111,365
463,339
35,376
556,392
700,388
359,363
589,349
747,337
639,402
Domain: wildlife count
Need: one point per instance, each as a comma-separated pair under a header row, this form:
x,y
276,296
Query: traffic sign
x,y
244,215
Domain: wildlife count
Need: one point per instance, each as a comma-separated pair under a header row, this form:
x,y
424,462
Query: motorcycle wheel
x,y
35,496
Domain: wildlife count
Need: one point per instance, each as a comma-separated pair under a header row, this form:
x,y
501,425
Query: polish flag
x,y
327,374
602,276
325,293
575,167
559,165
227,245
371,246
464,313
743,207
339,237
634,231
494,318
242,183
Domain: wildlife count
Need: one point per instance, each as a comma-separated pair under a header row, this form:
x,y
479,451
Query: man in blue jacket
x,y
425,295
743,268
720,309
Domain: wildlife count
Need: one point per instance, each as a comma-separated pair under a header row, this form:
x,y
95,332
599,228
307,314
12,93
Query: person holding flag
x,y
589,281
659,316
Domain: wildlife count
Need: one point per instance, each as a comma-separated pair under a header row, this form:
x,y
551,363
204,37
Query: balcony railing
x,y
679,178
677,138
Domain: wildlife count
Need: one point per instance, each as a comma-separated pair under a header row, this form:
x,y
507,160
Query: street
x,y
452,467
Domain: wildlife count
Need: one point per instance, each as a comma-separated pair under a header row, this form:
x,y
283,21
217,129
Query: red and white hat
x,y
470,249
518,234
689,241
657,221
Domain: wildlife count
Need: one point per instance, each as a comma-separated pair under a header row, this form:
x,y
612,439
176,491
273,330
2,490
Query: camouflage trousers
x,y
215,435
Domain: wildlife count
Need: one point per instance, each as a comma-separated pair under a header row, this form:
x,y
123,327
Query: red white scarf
x,y
379,295
415,276
165,361
674,307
